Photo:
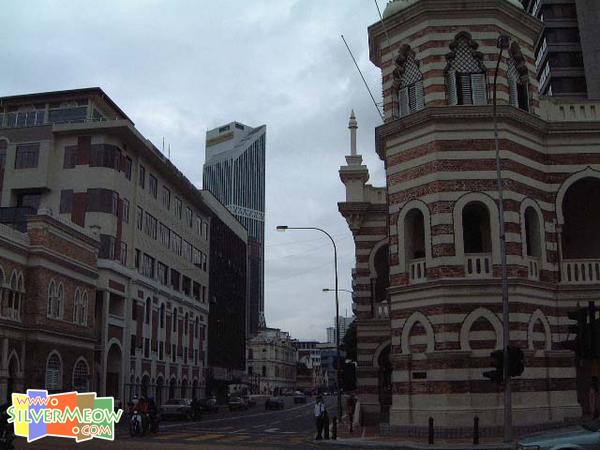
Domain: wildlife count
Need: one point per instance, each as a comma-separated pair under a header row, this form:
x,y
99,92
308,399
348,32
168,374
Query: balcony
x,y
581,271
533,266
416,270
16,217
478,265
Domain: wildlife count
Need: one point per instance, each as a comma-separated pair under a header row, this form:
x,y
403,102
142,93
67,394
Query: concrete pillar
x,y
104,341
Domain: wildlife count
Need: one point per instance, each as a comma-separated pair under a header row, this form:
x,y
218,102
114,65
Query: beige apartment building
x,y
76,155
271,362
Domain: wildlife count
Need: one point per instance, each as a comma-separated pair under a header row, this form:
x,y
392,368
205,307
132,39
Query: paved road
x,y
290,428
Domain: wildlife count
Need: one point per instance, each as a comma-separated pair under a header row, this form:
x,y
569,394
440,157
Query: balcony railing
x,y
478,265
581,271
416,270
533,266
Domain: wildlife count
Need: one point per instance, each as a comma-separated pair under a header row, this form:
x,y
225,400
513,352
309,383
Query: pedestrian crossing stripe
x,y
205,437
174,436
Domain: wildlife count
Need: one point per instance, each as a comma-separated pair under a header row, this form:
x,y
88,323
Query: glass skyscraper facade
x,y
234,171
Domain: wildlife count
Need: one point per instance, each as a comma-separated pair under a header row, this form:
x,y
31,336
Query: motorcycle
x,y
7,435
137,424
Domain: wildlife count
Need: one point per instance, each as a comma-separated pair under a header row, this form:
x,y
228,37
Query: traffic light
x,y
517,363
580,343
496,375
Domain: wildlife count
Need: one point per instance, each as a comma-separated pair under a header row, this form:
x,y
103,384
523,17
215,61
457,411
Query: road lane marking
x,y
271,430
206,437
174,436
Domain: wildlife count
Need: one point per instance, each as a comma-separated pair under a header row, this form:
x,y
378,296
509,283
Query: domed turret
x,y
396,5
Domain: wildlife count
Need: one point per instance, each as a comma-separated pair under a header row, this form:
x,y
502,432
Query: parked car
x,y
237,403
177,407
209,405
299,397
582,437
274,403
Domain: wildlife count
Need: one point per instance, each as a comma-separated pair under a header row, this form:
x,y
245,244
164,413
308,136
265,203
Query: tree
x,y
349,342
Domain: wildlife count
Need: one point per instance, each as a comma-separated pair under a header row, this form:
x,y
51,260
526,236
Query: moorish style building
x,y
427,295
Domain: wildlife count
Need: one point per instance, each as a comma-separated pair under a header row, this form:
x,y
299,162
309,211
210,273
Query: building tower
x,y
234,171
567,53
427,295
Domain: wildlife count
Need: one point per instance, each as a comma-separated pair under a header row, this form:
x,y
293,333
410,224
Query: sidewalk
x,y
369,437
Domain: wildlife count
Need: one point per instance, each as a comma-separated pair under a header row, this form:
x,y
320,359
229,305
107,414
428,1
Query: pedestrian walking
x,y
325,422
319,410
351,405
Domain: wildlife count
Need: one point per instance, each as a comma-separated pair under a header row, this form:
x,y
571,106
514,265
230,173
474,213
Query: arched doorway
x,y
380,281
385,382
113,371
159,390
13,370
172,385
145,384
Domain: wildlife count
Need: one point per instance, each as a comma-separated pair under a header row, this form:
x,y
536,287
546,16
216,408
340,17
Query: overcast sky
x,y
179,68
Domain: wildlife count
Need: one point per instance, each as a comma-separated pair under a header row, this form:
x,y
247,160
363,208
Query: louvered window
x,y
465,77
411,94
53,373
517,88
80,377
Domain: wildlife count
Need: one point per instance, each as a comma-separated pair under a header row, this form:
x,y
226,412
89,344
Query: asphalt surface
x,y
290,428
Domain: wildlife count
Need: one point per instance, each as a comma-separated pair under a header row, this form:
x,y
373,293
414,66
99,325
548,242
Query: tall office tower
x,y
234,171
568,50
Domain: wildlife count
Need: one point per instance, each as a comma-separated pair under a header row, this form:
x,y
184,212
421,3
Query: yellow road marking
x,y
206,437
174,436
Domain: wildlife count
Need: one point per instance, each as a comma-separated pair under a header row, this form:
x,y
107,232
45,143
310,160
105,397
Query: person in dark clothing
x,y
325,423
319,410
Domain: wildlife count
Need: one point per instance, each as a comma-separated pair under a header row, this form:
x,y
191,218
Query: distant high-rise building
x,y
234,171
568,51
344,324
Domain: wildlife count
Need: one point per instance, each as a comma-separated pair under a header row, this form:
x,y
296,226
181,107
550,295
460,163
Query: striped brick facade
x,y
440,207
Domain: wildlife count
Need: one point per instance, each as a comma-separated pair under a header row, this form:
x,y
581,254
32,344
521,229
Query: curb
x,y
363,443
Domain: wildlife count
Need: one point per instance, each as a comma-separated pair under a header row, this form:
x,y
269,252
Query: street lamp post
x,y
502,44
337,306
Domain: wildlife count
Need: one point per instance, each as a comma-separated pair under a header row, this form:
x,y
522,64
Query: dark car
x,y
299,397
274,403
237,403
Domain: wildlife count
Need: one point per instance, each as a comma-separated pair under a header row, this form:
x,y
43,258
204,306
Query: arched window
x,y
77,306
54,372
465,73
476,228
148,311
4,292
517,75
53,301
532,233
84,309
162,315
81,376
60,300
175,319
184,384
408,81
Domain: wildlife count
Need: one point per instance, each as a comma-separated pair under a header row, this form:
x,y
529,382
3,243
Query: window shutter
x,y
403,102
463,88
512,92
419,95
412,101
451,88
478,87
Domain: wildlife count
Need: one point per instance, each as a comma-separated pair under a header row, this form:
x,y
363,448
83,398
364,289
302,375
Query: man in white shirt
x,y
319,413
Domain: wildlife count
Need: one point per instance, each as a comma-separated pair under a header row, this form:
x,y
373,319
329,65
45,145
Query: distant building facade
x,y
77,155
227,324
271,362
234,171
47,305
313,374
567,58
